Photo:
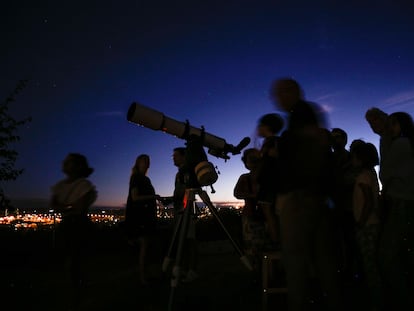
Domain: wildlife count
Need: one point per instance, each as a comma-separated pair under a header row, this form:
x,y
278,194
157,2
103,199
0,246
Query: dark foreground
x,y
33,277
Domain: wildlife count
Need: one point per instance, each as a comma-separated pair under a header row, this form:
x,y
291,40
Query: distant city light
x,y
37,220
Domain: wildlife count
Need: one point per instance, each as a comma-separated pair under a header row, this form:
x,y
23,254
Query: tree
x,y
8,136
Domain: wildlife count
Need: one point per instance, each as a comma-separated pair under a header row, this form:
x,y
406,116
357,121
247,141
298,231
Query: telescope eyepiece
x,y
242,144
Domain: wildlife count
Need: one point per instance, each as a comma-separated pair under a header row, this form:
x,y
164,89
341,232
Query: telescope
x,y
198,172
155,120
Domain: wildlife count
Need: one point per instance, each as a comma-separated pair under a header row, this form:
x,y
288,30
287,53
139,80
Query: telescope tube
x,y
157,121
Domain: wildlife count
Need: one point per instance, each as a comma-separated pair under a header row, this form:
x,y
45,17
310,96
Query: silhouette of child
x,y
268,126
366,214
253,227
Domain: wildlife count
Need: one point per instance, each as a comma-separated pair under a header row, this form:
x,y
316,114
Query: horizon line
x,y
114,205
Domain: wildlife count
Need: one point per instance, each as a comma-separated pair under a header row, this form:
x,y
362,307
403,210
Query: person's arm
x,y
54,201
55,205
241,190
136,196
81,204
137,184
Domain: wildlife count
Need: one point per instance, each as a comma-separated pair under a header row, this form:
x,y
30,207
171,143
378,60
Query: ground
x,y
33,275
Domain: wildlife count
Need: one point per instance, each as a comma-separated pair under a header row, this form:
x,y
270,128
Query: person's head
x,y
401,124
365,156
142,164
286,93
269,125
377,120
251,159
179,156
339,139
76,165
354,144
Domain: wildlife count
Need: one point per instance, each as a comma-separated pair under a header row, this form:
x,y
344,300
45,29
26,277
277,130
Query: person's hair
x,y
247,153
375,112
273,121
406,124
367,154
355,143
341,133
81,163
141,157
180,150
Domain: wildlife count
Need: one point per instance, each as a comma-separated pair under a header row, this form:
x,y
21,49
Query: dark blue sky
x,y
207,61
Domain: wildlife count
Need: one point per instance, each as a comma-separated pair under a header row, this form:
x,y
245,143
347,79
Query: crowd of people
x,y
305,195
322,206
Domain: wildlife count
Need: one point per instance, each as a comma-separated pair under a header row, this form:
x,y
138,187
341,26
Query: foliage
x,y
8,136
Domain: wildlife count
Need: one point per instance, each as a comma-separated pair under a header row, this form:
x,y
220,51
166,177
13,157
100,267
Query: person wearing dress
x,y
141,211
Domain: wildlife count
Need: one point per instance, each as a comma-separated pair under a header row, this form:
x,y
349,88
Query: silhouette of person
x,y
141,211
179,184
367,218
397,242
190,247
380,125
72,197
268,127
305,176
253,227
355,143
341,156
344,180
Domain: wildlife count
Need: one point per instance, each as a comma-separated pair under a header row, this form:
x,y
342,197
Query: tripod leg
x,y
167,259
176,272
206,199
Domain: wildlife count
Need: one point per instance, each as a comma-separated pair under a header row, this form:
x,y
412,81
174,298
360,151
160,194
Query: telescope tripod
x,y
181,231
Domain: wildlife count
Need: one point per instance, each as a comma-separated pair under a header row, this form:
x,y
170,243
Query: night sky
x,y
205,61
